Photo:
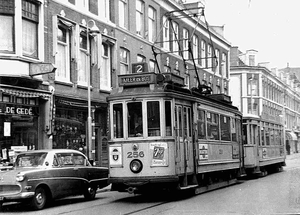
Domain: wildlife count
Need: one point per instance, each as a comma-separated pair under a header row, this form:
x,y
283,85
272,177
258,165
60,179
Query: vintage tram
x,y
165,136
263,142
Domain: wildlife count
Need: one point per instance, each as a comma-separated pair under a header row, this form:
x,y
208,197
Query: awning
x,y
26,94
290,135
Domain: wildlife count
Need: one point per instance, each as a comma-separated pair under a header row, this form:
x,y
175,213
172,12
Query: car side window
x,y
79,160
65,159
55,162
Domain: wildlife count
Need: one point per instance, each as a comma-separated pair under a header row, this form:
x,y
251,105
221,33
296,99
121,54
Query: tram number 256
x,y
135,154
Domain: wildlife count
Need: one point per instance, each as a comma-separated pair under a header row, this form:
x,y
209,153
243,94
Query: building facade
x,y
51,52
25,99
268,95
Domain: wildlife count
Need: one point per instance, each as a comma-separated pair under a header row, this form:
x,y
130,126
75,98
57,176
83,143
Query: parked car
x,y
40,176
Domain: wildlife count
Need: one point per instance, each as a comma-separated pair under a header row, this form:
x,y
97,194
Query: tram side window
x,y
233,130
201,124
245,140
135,119
168,118
118,121
267,133
212,126
153,116
225,128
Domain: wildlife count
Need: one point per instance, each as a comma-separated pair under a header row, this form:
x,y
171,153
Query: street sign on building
x,y
41,68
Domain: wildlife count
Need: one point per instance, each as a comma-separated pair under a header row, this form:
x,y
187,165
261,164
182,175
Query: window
x,y
251,60
7,22
185,44
30,21
104,8
212,126
195,48
123,14
225,128
152,66
140,58
83,59
203,54
175,38
201,124
168,118
187,81
135,119
216,61
124,61
166,33
105,68
118,121
62,58
153,116
139,17
151,24
209,57
224,65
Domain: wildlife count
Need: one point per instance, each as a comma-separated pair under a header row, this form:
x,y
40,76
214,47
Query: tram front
x,y
141,146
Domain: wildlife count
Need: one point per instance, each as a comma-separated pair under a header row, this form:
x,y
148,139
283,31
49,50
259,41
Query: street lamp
x,y
93,30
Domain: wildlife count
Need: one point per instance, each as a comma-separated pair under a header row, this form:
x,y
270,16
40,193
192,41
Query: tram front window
x,y
153,116
135,119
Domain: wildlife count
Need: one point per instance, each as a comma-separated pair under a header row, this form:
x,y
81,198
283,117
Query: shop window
x,y
118,121
153,116
69,129
135,119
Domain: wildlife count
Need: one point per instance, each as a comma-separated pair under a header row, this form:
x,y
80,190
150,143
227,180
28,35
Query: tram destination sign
x,y
137,79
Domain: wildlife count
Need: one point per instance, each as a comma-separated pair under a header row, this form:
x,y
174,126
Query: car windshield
x,y
30,160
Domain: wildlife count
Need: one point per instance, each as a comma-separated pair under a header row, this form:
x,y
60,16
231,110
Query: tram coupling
x,y
131,190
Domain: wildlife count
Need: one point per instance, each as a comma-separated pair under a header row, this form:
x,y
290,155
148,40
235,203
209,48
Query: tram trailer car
x,y
165,136
264,148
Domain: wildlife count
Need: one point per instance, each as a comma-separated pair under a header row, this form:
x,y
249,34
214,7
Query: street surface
x,y
275,194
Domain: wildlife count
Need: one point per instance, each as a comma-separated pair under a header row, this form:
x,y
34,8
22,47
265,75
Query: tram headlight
x,y
136,166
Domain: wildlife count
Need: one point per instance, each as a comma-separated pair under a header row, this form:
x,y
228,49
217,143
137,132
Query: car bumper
x,y
16,197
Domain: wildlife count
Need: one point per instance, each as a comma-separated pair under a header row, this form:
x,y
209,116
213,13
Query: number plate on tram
x,y
135,154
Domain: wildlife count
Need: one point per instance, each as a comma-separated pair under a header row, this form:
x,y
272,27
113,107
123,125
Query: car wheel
x,y
90,192
39,200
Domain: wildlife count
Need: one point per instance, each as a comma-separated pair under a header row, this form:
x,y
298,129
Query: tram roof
x,y
153,84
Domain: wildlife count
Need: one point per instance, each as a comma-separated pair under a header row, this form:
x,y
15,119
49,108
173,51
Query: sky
x,y
271,27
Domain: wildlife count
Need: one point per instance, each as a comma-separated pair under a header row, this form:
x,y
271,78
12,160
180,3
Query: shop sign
x,y
18,110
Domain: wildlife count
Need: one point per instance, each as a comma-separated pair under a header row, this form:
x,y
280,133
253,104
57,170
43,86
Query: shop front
x,y
70,127
22,118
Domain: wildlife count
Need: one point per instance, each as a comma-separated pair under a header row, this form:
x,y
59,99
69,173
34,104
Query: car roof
x,y
52,151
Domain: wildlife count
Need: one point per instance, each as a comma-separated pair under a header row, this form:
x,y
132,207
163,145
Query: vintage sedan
x,y
40,176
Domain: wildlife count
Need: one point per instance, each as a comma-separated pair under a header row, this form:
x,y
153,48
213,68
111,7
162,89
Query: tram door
x,y
183,132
